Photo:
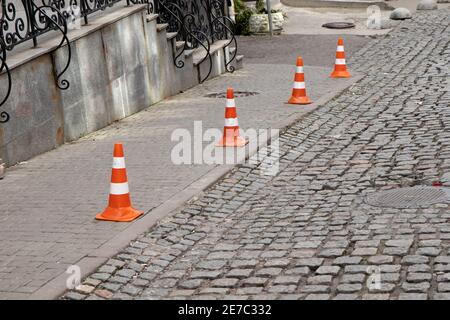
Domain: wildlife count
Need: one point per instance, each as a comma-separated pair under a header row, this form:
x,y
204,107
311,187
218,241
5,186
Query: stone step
x,y
151,17
239,61
188,53
179,45
161,27
171,35
199,53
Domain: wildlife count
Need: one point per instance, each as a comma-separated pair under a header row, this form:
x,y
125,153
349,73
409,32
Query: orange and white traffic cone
x,y
340,68
119,208
231,137
299,89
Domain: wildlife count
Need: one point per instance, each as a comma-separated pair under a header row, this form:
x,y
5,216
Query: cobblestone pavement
x,y
306,233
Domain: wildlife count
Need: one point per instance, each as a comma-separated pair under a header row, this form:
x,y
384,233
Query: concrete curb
x,y
88,264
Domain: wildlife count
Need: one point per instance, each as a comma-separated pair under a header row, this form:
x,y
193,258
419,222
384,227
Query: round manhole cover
x,y
412,197
237,94
338,25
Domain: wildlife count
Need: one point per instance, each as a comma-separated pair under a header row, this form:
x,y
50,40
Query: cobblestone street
x,y
307,233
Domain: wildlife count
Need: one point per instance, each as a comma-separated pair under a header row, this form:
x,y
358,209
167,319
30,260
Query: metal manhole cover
x,y
412,197
338,25
237,94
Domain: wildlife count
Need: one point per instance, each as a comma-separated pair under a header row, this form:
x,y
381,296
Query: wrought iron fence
x,y
198,23
24,21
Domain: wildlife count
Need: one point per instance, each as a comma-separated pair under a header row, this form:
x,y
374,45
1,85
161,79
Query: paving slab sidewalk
x,y
48,204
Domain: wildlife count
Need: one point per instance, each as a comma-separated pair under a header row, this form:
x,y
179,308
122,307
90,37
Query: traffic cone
x,y
231,137
340,68
299,89
119,208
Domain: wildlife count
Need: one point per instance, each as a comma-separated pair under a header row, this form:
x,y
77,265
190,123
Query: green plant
x,y
242,16
239,5
261,6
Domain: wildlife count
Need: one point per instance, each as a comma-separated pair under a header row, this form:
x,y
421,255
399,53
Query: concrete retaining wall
x,y
121,63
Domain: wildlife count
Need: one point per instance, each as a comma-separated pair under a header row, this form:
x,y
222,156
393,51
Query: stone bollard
x,y
427,5
2,169
259,23
400,14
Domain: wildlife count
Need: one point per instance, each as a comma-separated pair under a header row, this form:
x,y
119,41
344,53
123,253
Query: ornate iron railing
x,y
198,23
25,20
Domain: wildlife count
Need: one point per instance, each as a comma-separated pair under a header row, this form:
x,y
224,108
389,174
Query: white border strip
x,y
299,85
119,188
118,163
233,122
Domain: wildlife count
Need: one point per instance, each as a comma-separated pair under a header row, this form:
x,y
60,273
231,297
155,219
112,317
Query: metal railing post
x,y
269,13
27,4
83,11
